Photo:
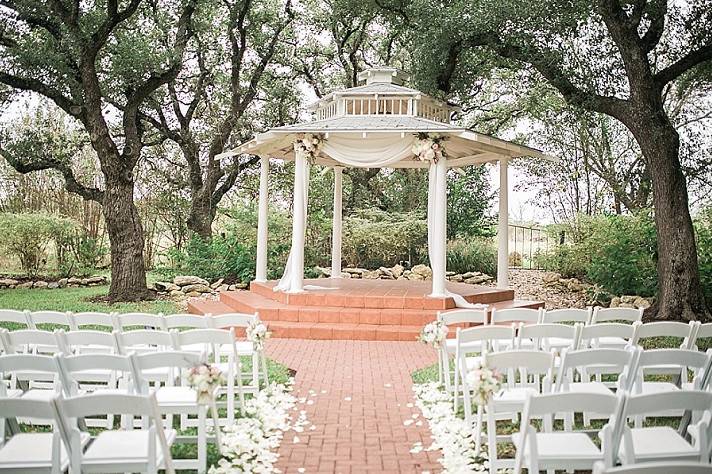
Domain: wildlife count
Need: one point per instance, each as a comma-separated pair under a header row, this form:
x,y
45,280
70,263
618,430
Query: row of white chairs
x,y
120,321
531,372
69,447
574,450
530,329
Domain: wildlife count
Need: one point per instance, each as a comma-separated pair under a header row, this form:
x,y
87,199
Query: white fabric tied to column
x,y
292,280
336,227
437,235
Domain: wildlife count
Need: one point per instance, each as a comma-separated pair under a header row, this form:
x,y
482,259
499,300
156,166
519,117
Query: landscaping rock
x,y
615,302
27,284
345,275
8,282
62,282
456,278
165,286
74,281
184,280
397,270
196,288
241,286
371,275
40,284
177,293
628,299
193,294
53,285
232,288
641,302
224,287
550,278
96,279
217,283
423,271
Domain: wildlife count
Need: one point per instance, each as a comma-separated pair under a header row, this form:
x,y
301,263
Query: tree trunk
x,y
123,224
679,290
202,215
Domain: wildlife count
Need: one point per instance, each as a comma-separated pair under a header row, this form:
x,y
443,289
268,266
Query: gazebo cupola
x,y
378,124
381,92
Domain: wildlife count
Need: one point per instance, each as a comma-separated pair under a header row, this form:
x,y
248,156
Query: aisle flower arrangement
x,y
433,334
204,379
484,383
450,433
429,147
257,333
250,445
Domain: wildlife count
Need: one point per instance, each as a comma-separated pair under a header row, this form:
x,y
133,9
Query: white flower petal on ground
x,y
348,399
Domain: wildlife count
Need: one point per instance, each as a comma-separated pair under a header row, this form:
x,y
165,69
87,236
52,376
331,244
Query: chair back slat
x,y
15,317
459,316
649,404
144,320
548,403
175,321
227,320
54,318
93,319
576,315
527,315
616,314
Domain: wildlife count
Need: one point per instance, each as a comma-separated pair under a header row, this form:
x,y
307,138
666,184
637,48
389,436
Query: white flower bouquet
x,y
428,147
309,145
204,379
257,333
433,333
484,383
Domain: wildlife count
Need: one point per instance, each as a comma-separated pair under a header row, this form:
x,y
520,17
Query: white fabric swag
x,y
376,151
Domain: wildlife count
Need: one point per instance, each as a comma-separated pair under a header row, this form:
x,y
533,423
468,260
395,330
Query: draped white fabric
x,y
286,283
374,151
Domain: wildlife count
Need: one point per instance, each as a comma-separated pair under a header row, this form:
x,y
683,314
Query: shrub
x,y
616,252
703,226
472,255
515,259
374,238
28,237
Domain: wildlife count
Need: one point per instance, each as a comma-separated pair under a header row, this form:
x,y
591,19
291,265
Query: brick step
x,y
270,310
327,326
379,294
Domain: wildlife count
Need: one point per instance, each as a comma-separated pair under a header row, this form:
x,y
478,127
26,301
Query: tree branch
x,y
684,64
35,85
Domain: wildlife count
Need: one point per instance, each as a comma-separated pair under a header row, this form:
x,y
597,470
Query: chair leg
x,y
478,430
492,441
256,371
202,440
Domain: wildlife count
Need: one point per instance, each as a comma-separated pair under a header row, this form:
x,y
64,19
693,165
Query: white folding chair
x,y
547,336
215,340
447,348
655,468
587,363
704,331
516,315
12,317
569,450
31,452
130,321
86,341
476,340
675,362
525,373
186,321
93,320
32,376
662,443
602,315
687,332
131,450
175,399
49,320
241,321
29,341
143,340
608,335
567,315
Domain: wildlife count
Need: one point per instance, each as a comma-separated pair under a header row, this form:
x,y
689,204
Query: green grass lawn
x,y
77,300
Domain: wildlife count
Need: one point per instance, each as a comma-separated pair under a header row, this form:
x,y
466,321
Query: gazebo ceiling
x,y
383,108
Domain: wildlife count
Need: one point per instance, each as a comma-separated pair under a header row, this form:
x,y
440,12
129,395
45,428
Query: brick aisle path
x,y
360,392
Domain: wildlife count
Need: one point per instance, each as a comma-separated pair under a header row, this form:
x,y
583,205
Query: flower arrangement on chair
x,y
433,334
204,379
429,147
257,333
484,383
309,144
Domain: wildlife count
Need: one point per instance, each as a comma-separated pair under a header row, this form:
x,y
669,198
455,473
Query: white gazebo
x,y
376,125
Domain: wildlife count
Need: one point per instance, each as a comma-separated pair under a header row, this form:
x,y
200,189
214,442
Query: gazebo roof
x,y
383,107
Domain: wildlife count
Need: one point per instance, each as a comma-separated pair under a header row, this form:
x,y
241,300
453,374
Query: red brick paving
x,y
359,417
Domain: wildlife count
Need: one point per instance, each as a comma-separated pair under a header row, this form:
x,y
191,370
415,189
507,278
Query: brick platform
x,y
359,393
346,309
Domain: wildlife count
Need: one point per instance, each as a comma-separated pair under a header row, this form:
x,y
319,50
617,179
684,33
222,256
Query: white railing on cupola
x,y
403,106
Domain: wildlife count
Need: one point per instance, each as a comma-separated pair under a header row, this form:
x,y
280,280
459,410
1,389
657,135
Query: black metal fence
x,y
527,246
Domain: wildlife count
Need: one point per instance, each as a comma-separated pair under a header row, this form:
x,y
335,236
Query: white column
x,y
336,227
298,225
261,270
503,228
439,240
